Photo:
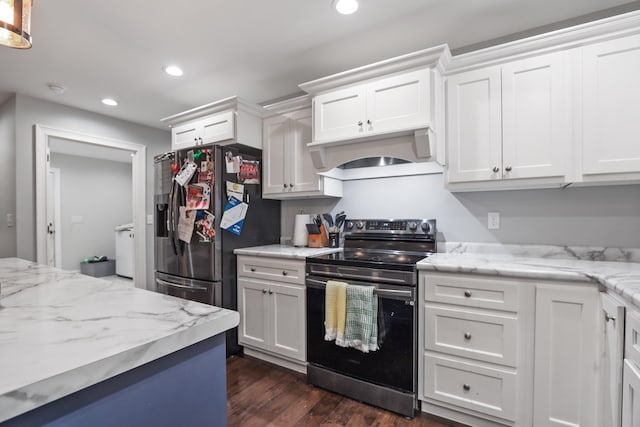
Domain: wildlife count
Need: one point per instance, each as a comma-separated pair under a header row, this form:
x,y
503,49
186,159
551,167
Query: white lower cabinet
x,y
482,338
566,350
630,395
272,312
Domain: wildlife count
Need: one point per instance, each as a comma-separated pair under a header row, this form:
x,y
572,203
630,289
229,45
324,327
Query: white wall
x,y
7,177
100,192
588,216
31,111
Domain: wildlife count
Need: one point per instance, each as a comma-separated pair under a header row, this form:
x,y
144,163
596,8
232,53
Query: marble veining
x,y
284,251
622,278
590,253
62,331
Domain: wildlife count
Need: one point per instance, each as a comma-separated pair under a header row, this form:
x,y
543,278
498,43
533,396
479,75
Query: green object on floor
x,y
94,258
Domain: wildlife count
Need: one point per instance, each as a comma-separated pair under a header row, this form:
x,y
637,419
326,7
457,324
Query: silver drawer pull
x,y
264,291
284,273
608,317
467,294
466,387
467,336
253,269
270,292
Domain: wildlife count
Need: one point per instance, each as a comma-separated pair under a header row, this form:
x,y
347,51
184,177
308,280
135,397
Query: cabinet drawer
x,y
632,337
486,337
272,269
478,388
471,291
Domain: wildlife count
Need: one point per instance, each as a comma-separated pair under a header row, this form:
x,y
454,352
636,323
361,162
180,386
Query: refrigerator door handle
x,y
171,220
175,285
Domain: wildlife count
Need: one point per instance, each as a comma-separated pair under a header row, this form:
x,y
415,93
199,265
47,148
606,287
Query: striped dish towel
x,y
361,331
334,310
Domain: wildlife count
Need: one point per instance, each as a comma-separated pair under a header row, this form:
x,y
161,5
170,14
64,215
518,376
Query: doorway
x,y
45,202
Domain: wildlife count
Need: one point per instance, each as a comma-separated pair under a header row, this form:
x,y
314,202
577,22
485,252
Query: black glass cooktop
x,y
370,258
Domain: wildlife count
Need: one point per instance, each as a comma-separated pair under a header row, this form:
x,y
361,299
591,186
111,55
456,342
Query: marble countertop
x,y
284,251
61,332
622,278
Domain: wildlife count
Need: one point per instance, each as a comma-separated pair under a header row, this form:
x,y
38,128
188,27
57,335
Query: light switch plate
x,y
11,220
149,219
493,220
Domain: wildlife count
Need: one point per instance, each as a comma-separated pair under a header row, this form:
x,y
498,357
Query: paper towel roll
x,y
300,233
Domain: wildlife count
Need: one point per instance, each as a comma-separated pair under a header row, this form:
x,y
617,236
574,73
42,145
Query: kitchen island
x,y
77,350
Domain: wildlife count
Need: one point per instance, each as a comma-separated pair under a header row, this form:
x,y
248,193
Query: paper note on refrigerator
x,y
198,196
235,190
185,224
233,216
186,172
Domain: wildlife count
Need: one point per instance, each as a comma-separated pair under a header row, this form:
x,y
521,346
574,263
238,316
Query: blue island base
x,y
184,388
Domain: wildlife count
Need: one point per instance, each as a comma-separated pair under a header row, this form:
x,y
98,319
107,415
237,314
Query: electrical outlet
x,y
11,220
493,220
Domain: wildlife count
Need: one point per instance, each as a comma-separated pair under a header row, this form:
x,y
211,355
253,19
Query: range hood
x,y
393,108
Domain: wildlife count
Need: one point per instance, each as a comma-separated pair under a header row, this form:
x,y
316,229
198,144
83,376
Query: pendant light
x,y
15,23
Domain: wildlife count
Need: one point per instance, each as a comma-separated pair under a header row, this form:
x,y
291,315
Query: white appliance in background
x,y
124,250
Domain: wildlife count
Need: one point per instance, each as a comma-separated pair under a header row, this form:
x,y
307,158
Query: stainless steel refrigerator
x,y
204,269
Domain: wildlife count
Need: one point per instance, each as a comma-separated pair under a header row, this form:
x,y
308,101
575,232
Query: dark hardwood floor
x,y
262,394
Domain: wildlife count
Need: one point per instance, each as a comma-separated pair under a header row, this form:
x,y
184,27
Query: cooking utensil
x,y
340,218
327,217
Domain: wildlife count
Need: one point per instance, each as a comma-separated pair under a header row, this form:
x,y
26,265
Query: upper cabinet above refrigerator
x,y
223,122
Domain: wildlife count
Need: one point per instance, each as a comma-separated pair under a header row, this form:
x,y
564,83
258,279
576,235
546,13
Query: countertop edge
x,y
284,252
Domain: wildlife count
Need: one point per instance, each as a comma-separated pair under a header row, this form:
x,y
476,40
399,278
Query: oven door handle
x,y
319,284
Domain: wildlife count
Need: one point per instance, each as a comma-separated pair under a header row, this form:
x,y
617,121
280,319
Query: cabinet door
x,y
536,117
398,102
630,395
218,127
274,154
303,176
339,114
289,320
252,305
565,356
611,389
474,129
611,89
185,136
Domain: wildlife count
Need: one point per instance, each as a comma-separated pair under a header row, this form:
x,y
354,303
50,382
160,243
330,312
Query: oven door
x,y
393,365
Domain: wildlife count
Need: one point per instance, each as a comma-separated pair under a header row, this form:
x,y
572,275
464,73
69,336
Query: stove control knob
x,y
360,225
425,227
413,226
349,225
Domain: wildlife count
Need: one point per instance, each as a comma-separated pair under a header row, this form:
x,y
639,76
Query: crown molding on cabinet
x,y
563,39
286,106
232,103
436,57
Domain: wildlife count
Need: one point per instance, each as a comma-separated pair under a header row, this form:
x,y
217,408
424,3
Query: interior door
x,y
54,246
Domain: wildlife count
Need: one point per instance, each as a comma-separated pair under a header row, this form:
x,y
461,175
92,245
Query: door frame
x,y
42,157
57,235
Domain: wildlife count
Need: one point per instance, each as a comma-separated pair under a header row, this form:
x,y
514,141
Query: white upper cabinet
x,y
610,123
391,104
288,167
227,121
510,122
474,125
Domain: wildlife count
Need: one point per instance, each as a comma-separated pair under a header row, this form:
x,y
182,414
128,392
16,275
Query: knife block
x,y
318,240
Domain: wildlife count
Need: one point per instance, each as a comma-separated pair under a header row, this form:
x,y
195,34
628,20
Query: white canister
x,y
300,234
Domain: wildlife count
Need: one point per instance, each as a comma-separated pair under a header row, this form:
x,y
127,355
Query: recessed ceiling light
x,y
345,7
173,70
110,102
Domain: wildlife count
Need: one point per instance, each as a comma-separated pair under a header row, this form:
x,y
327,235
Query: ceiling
x,y
258,50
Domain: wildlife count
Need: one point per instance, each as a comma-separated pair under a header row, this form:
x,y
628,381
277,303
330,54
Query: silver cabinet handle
x,y
369,122
608,317
496,169
284,273
200,141
264,291
285,185
467,336
253,269
291,185
508,168
467,294
270,292
466,387
360,123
